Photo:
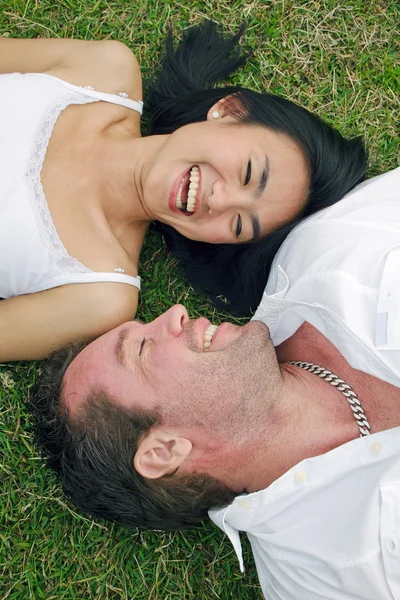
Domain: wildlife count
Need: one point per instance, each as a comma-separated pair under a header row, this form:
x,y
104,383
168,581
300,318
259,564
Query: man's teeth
x,y
194,179
208,336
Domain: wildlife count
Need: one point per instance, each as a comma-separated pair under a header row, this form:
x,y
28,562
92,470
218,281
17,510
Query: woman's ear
x,y
161,453
227,107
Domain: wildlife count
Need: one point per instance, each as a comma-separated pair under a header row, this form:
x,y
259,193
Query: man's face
x,y
169,365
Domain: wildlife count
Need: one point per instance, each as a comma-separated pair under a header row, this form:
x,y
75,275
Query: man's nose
x,y
174,319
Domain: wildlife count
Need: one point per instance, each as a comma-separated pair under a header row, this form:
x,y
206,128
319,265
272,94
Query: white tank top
x,y
32,256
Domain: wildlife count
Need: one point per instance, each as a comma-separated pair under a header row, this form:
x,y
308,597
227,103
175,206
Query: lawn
x,y
340,59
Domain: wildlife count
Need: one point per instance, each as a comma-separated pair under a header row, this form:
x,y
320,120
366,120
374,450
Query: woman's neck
x,y
123,163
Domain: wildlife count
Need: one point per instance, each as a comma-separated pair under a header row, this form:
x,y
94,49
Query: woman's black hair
x,y
182,92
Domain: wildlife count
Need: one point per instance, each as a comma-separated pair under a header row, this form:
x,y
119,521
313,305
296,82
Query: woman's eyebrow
x,y
260,188
256,228
263,179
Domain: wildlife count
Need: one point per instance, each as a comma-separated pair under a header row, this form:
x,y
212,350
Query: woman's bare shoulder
x,y
107,65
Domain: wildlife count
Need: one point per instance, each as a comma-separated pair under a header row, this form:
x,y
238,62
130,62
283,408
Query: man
x,y
153,425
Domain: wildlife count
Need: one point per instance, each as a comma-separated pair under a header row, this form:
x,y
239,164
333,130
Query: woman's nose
x,y
223,198
173,320
218,200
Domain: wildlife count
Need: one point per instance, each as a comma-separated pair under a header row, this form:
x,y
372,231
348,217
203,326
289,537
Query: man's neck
x,y
379,399
313,417
307,418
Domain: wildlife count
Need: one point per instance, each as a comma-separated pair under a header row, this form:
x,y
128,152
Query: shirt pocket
x,y
387,331
390,535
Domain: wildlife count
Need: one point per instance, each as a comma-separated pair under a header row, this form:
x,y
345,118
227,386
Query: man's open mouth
x,y
187,193
208,336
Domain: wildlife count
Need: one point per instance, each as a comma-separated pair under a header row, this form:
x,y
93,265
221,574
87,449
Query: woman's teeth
x,y
208,336
178,198
193,187
194,179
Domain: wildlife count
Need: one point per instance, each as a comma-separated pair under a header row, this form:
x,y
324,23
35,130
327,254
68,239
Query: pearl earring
x,y
215,114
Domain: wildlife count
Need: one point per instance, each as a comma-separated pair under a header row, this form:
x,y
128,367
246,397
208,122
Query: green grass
x,y
340,59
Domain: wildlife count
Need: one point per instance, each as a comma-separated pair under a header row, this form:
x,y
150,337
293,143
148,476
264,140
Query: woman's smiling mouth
x,y
186,196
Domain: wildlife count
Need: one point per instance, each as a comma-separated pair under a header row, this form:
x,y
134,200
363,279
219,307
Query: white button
x,y
393,546
245,504
301,477
376,447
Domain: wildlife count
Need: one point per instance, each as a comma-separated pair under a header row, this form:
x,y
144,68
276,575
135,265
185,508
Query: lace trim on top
x,y
41,211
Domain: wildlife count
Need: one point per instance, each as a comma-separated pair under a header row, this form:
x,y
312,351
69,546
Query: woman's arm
x,y
107,65
34,325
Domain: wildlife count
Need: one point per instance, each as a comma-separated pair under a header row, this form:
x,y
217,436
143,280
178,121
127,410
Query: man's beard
x,y
226,391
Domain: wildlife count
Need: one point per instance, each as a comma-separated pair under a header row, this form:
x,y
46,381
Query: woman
x,y
225,167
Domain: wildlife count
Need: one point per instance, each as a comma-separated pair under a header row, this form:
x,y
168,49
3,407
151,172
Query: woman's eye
x,y
142,346
238,226
248,173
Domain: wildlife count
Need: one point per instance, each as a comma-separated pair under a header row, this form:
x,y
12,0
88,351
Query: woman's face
x,y
221,181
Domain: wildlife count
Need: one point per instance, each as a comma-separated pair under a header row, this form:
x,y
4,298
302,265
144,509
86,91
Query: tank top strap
x,y
90,277
121,98
95,277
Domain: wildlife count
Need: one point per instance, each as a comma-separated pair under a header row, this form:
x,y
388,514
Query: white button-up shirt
x,y
329,528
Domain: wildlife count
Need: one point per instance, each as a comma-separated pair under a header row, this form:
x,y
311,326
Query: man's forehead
x,y
83,372
95,361
100,359
76,382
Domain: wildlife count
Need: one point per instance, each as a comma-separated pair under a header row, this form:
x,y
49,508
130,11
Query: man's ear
x,y
226,107
161,453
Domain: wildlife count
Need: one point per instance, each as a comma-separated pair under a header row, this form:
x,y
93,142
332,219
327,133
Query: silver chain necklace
x,y
341,386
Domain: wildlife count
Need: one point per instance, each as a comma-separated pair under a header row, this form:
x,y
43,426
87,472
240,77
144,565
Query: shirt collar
x,y
218,516
283,317
246,510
